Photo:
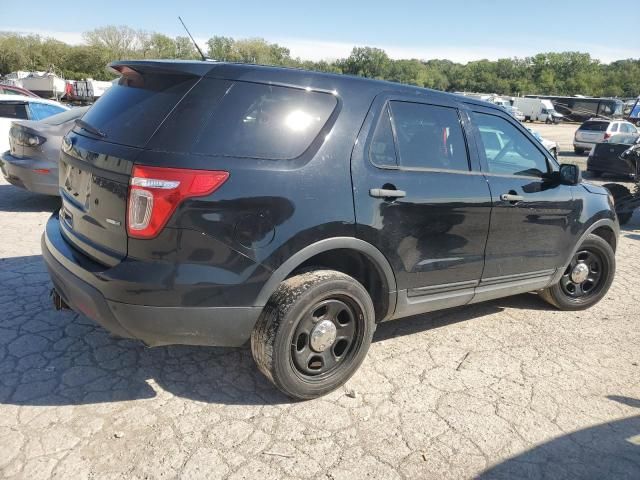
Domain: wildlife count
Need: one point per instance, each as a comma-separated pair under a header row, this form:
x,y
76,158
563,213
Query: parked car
x,y
17,107
605,156
209,203
12,90
514,112
537,110
597,130
550,145
34,148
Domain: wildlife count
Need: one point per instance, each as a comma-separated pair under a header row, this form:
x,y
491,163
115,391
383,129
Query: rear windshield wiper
x,y
90,128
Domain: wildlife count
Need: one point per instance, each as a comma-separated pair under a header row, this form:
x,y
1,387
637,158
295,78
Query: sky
x,y
460,31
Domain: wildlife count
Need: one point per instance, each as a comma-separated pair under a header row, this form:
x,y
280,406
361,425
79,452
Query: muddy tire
x,y
314,333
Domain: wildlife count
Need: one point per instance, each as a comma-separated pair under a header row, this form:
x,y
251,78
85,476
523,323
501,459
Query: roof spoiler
x,y
166,67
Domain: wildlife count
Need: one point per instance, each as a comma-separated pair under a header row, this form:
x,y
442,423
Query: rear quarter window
x,y
242,119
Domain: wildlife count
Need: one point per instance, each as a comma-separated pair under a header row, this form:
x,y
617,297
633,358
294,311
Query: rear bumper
x,y
154,325
20,172
583,145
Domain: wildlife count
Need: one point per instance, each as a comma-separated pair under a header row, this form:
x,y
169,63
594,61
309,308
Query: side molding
x,y
349,243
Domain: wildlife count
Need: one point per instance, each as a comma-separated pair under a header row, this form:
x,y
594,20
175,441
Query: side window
x,y
614,127
507,150
383,151
429,136
40,111
15,111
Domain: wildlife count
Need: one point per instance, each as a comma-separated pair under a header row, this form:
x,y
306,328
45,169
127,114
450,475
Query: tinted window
x,y
129,112
595,126
246,120
13,110
508,151
382,151
40,111
429,136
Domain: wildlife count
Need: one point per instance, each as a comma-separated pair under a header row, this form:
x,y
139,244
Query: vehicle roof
x,y
23,98
288,75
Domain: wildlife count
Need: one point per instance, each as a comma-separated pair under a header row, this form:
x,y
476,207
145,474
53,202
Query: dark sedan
x,y
32,159
605,156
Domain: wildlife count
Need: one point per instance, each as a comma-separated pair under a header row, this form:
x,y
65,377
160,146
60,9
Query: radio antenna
x,y
204,58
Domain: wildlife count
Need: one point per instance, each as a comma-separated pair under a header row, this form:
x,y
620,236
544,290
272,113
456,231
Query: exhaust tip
x,y
58,302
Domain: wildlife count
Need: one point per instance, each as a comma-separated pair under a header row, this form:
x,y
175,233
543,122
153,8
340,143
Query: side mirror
x,y
570,174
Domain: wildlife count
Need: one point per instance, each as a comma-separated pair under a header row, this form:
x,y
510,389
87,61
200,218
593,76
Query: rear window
x,y
130,111
595,126
16,111
242,119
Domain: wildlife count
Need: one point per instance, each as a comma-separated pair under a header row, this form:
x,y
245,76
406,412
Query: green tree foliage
x,y
566,73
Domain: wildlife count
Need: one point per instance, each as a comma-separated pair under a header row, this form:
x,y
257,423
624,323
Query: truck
x,y
537,110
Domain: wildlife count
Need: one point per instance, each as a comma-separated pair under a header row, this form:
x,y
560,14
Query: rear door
x,y
97,158
419,200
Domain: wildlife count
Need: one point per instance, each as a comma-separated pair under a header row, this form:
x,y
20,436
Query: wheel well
x,y
608,235
358,266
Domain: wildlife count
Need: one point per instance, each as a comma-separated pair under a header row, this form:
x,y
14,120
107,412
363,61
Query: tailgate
x,y
98,154
94,180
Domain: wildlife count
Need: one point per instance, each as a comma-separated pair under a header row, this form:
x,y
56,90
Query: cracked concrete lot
x,y
507,389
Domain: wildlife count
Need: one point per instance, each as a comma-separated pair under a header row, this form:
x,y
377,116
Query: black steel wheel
x,y
313,333
583,275
587,277
326,336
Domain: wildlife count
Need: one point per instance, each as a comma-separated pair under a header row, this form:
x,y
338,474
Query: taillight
x,y
155,193
607,136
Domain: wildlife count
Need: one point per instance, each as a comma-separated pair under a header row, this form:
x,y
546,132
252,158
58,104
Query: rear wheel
x,y
313,333
586,279
595,173
620,192
578,151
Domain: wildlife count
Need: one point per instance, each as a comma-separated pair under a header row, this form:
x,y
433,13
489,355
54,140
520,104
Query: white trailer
x,y
537,110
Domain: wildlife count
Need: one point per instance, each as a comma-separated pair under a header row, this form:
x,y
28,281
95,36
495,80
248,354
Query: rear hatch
x,y
98,154
592,132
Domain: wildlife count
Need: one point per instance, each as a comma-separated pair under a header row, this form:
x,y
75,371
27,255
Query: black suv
x,y
212,203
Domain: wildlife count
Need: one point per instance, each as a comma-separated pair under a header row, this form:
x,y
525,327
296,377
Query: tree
x,y
366,62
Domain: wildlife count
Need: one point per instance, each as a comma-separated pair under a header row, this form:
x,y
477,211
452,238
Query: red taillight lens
x,y
155,193
607,136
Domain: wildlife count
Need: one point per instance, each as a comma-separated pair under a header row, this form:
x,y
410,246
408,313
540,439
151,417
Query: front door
x,y
420,202
529,237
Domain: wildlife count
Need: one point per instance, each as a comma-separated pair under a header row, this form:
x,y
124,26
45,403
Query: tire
x,y
578,151
560,295
281,341
619,192
595,173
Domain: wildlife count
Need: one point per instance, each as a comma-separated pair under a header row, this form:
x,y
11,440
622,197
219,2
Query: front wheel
x,y
587,278
313,333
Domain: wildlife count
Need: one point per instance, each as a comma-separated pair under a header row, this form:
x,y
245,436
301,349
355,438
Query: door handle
x,y
509,197
387,193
